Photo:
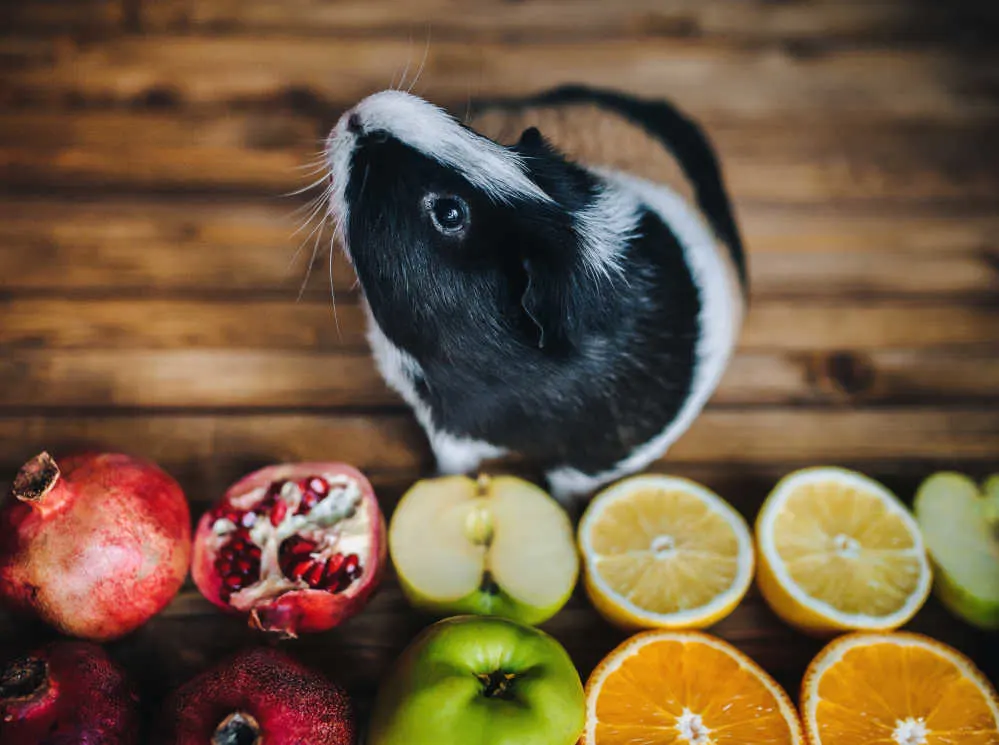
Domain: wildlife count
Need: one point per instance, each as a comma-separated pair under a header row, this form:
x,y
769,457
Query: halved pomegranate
x,y
297,547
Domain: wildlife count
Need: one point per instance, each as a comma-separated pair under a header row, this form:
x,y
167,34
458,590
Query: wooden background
x,y
148,294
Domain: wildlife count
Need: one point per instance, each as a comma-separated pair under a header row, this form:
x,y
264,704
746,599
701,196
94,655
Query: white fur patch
x,y
720,319
606,225
493,169
454,454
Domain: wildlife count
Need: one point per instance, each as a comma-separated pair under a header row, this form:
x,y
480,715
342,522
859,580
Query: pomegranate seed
x,y
278,512
233,581
335,563
244,566
224,566
319,486
299,569
248,520
352,565
314,575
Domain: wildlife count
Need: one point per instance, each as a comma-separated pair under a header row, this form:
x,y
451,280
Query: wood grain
x,y
754,435
110,323
805,160
556,20
229,379
709,78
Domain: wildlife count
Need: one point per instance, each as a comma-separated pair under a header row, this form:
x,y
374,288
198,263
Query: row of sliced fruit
x,y
836,551
96,545
687,687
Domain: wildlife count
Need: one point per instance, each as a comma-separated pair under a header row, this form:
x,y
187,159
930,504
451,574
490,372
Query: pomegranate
x,y
259,697
296,547
68,693
95,545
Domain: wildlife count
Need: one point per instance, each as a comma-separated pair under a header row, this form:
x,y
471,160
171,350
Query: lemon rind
x,y
726,601
851,621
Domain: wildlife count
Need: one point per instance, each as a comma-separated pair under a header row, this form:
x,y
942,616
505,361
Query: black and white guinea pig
x,y
561,279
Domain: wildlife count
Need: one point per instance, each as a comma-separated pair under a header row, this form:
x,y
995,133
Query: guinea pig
x,y
561,278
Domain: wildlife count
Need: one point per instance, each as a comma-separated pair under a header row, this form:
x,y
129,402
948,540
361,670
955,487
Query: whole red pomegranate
x,y
68,693
94,546
297,547
259,697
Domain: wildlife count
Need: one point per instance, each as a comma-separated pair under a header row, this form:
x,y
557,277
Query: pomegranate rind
x,y
288,701
305,610
86,698
101,552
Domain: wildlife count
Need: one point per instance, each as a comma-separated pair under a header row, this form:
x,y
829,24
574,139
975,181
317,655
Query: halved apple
x,y
960,525
496,546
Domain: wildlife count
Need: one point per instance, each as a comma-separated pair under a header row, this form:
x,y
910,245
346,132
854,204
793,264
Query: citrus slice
x,y
664,552
897,689
840,552
685,688
960,525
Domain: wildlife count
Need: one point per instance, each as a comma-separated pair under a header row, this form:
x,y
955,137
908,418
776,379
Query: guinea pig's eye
x,y
378,136
448,213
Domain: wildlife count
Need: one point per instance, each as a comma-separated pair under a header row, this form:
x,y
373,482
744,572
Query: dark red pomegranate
x,y
259,697
96,545
296,547
68,693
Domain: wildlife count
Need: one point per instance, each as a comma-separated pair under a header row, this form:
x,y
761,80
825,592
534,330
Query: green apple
x,y
496,546
960,525
473,680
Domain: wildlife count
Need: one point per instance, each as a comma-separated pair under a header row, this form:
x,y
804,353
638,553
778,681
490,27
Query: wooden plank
x,y
43,380
808,160
706,77
38,322
753,20
62,16
184,245
264,150
210,451
151,246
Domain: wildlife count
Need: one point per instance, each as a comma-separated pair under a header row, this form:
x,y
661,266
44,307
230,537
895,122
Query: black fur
x,y
521,344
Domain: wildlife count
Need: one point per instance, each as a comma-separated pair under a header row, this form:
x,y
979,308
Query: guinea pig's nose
x,y
354,123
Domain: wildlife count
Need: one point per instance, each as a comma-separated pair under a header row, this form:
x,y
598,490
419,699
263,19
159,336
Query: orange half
x,y
685,688
897,689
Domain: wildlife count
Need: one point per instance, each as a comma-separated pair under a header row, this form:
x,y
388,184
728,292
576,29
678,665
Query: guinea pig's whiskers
x,y
318,182
423,62
405,70
336,318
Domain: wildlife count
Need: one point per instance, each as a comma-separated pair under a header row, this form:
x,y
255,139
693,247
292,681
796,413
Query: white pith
x,y
634,646
765,535
662,546
910,732
439,541
838,649
334,523
691,728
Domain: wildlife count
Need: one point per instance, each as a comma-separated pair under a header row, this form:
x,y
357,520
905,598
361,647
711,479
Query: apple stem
x,y
496,684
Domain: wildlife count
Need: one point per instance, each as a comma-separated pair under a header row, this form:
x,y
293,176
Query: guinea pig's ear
x,y
531,138
550,303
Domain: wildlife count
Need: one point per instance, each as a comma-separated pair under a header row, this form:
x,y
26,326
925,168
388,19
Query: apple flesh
x,y
960,525
471,680
496,546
